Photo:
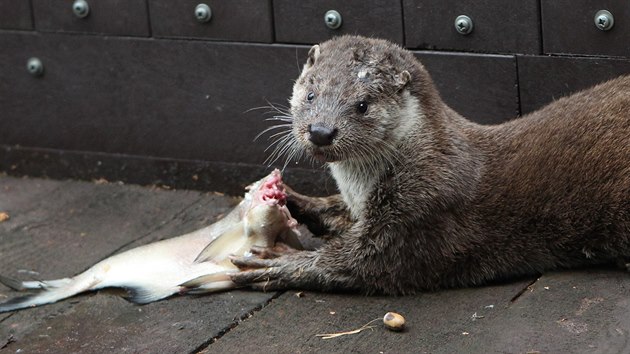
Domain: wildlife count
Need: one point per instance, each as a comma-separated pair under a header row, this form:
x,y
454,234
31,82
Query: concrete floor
x,y
60,228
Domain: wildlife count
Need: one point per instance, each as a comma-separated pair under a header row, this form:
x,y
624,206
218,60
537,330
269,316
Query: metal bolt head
x,y
35,67
463,24
81,8
203,13
604,20
332,19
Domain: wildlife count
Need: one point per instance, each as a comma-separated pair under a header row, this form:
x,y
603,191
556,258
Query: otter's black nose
x,y
320,134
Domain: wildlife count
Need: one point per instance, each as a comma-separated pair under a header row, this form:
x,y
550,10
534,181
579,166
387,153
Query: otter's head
x,y
353,100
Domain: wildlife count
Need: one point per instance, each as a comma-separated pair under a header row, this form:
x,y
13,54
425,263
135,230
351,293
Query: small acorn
x,y
394,321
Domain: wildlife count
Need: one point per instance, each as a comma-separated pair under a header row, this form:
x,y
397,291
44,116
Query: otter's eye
x,y
310,96
362,107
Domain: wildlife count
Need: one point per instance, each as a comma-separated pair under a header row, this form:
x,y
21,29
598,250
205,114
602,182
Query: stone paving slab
x,y
59,228
562,312
585,311
435,321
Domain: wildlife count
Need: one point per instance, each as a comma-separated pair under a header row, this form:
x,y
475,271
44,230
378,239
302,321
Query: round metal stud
x,y
203,13
35,67
81,8
463,24
604,20
332,19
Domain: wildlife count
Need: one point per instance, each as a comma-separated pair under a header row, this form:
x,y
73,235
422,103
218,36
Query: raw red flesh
x,y
273,191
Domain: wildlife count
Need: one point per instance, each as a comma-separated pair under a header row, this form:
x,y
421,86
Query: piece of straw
x,y
339,334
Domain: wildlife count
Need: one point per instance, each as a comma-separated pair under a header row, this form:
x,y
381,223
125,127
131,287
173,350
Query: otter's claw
x,y
259,279
287,271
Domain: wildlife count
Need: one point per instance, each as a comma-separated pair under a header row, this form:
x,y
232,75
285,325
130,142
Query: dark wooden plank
x,y
75,224
239,20
114,17
170,105
497,26
305,23
163,98
569,27
544,79
483,88
16,14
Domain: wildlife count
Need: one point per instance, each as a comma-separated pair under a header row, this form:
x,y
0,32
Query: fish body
x,y
196,262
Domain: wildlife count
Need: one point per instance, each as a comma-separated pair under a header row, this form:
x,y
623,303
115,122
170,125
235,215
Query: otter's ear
x,y
313,54
402,79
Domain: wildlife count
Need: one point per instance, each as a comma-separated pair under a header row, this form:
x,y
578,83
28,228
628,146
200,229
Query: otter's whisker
x,y
279,141
280,118
296,154
256,109
281,145
273,127
273,136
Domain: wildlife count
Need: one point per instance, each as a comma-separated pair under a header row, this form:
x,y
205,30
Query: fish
x,y
193,263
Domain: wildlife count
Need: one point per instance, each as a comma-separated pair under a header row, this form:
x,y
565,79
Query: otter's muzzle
x,y
321,135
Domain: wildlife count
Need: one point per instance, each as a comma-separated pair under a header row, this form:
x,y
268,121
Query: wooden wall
x,y
140,91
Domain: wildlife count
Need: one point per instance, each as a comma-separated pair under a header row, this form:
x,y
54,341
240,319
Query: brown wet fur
x,y
458,204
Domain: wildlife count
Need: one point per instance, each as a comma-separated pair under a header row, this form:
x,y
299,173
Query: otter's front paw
x,y
297,203
279,249
284,272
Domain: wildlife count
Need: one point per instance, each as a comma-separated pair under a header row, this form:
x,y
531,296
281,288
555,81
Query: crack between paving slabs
x,y
237,321
9,315
4,343
524,289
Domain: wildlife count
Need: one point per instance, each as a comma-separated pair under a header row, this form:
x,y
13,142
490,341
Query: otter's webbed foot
x,y
289,271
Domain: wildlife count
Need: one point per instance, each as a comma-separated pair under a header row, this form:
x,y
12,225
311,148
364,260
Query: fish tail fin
x,y
19,285
17,303
50,291
46,296
11,283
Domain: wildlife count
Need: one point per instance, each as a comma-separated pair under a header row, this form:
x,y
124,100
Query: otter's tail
x,y
49,291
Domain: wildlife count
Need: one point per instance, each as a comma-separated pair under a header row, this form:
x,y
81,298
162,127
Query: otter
x,y
431,200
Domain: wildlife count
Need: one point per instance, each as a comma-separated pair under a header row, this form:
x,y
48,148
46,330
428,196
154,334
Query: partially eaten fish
x,y
197,262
